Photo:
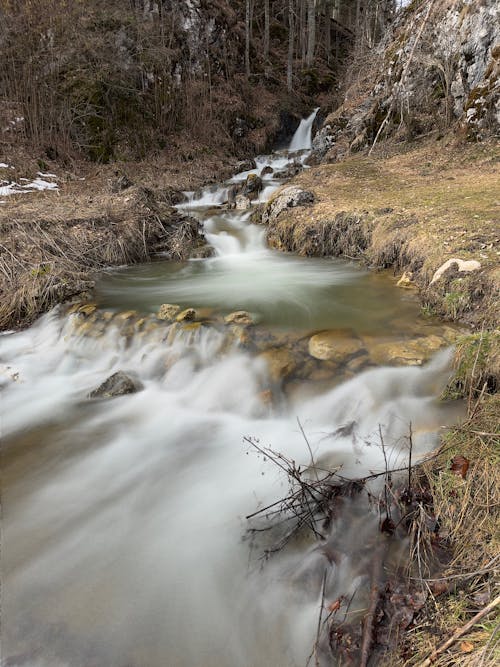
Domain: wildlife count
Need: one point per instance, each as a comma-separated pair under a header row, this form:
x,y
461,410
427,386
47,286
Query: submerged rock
x,y
117,384
405,353
239,317
280,363
334,345
406,281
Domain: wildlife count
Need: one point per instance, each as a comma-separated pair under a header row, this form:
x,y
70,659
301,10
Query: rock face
x,y
451,73
117,384
288,197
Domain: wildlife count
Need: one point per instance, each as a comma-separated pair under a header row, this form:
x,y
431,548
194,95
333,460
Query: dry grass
x,y
467,511
51,247
418,209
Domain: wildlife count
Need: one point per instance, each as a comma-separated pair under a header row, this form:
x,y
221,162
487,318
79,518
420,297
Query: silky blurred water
x,y
123,533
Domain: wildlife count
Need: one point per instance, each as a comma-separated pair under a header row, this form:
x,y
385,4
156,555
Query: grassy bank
x,y
412,211
53,243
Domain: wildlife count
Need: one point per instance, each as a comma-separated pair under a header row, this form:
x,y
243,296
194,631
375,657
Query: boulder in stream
x,y
242,202
117,384
239,317
187,315
246,165
168,311
253,185
334,345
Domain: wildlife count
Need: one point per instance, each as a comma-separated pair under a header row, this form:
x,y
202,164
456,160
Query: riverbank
x,y
414,212
54,241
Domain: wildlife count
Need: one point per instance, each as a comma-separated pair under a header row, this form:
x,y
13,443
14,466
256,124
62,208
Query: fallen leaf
x,y
459,466
466,647
334,606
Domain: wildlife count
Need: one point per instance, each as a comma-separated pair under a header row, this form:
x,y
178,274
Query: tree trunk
x,y
311,31
289,69
266,30
328,31
247,38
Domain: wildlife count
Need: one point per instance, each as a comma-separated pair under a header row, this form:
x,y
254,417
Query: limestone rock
x,y
463,265
168,311
242,202
406,353
289,197
266,170
187,315
117,384
239,317
334,345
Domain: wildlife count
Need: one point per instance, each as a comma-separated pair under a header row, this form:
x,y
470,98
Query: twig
x,y
370,616
460,632
309,448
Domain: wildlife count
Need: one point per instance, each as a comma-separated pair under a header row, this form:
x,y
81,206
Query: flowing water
x,y
124,541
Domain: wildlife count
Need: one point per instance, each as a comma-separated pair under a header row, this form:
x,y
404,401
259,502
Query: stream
x,y
124,537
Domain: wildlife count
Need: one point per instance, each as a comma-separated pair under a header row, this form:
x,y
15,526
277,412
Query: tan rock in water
x,y
168,311
406,281
406,353
187,315
335,345
239,317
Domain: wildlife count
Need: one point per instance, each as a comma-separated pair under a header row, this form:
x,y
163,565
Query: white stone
x,y
462,264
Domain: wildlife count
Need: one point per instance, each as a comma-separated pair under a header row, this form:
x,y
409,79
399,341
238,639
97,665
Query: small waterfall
x,y
302,139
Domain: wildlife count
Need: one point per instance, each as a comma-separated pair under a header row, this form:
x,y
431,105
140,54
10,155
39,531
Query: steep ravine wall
x,y
438,67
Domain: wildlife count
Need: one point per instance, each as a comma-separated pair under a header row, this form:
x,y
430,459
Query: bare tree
x,y
291,36
247,38
311,31
266,30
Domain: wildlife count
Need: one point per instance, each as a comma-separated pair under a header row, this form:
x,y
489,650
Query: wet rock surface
x,y
118,384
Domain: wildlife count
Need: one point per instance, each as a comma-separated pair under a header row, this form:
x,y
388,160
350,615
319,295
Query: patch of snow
x,y
46,175
37,184
3,165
